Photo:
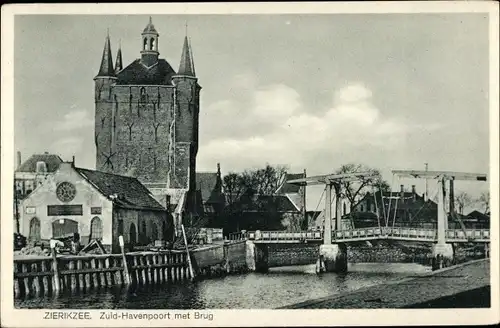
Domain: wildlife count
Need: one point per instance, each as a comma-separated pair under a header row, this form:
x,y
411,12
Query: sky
x,y
391,91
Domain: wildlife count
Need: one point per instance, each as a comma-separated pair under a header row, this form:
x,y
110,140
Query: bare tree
x,y
462,200
250,183
484,201
356,190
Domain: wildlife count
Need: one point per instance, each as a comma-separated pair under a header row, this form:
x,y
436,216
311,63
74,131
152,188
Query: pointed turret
x,y
106,68
119,64
186,66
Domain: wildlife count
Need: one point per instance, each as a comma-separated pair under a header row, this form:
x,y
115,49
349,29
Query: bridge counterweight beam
x,y
327,234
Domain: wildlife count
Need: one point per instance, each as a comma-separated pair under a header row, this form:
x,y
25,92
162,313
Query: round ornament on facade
x,y
65,192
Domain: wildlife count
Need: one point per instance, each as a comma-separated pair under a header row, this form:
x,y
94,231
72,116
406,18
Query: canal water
x,y
279,287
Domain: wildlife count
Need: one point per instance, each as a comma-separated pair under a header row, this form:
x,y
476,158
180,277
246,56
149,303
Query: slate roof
x,y
129,191
52,161
186,66
106,69
136,73
478,216
288,188
207,183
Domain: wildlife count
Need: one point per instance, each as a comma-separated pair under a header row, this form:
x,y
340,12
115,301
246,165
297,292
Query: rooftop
x,y
127,192
51,160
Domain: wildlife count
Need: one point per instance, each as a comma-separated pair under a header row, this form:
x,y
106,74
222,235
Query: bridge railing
x,y
284,235
469,234
403,233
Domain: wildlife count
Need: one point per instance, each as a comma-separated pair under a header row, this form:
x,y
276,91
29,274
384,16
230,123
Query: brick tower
x,y
146,116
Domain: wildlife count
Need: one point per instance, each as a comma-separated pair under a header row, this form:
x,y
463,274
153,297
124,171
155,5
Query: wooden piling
x,y
72,275
17,288
37,280
45,267
136,270
191,271
126,274
55,268
109,277
81,280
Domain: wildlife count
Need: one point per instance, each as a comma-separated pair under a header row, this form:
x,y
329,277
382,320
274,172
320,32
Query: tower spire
x,y
106,68
119,60
186,66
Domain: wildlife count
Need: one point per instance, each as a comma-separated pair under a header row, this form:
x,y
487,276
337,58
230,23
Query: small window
x,y
143,94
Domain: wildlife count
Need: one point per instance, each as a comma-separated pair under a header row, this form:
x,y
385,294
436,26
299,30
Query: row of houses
x,y
54,199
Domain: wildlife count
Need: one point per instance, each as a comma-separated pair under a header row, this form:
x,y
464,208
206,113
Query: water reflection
x,y
279,287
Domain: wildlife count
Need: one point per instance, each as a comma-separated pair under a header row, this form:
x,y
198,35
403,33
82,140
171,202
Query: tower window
x,y
151,44
130,125
145,45
156,126
143,95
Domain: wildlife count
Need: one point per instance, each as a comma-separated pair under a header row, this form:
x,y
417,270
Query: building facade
x,y
96,205
147,118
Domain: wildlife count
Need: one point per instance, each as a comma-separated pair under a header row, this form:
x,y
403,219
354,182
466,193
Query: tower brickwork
x,y
146,115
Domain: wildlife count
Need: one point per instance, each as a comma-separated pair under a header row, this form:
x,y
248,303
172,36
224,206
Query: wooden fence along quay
x,y
40,276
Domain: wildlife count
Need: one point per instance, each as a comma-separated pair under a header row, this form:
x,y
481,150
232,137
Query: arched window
x,y
145,45
154,232
96,229
152,44
132,234
34,230
344,208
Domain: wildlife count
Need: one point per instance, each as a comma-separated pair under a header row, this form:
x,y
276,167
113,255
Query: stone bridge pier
x,y
262,256
442,252
332,257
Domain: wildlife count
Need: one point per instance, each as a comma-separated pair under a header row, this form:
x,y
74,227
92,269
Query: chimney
x,y
414,192
402,193
18,159
218,169
41,167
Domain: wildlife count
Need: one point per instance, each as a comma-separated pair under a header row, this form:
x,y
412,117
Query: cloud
x,y
75,119
276,127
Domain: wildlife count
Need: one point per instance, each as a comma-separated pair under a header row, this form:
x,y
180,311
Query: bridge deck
x,y
364,234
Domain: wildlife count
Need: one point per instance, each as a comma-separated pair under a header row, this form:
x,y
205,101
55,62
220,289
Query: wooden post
x,y
81,280
55,267
37,280
17,288
126,275
136,270
72,268
191,272
95,275
45,279
109,276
